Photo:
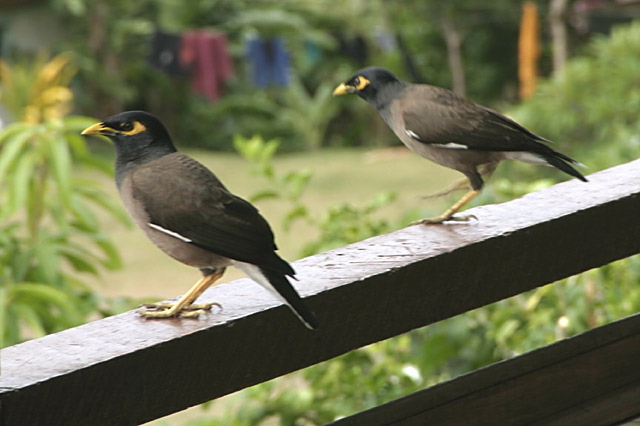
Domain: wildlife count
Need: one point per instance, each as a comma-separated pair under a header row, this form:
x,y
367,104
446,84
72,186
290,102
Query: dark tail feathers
x,y
284,288
563,162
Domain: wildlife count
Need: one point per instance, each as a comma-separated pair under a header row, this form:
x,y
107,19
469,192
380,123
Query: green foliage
x,y
346,223
342,224
50,234
307,113
288,186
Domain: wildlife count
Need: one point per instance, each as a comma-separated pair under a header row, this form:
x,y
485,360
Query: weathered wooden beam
x,y
127,370
589,379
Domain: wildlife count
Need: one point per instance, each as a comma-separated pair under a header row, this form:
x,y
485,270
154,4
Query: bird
x,y
451,130
186,211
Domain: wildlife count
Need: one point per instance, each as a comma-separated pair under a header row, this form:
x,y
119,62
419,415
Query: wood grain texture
x,y
127,370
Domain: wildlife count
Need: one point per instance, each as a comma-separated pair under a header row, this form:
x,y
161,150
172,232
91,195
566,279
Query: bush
x,y
50,235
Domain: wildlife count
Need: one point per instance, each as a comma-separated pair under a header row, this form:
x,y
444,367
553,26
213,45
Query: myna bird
x,y
189,214
451,130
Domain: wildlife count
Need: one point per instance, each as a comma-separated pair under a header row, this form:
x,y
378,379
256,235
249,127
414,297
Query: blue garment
x,y
269,61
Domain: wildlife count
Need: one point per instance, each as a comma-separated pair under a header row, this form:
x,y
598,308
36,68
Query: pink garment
x,y
206,55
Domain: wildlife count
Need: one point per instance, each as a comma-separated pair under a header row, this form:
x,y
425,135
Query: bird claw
x,y
443,218
168,310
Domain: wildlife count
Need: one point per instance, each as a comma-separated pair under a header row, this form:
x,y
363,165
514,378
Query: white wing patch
x,y
451,145
412,134
168,232
448,145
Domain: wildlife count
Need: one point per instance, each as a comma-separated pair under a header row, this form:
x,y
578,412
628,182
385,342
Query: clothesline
x,y
203,55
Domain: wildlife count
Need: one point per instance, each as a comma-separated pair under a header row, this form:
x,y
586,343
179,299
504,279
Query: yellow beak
x,y
97,129
343,89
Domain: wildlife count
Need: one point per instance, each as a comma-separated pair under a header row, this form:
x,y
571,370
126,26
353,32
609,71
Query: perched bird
x,y
451,130
189,214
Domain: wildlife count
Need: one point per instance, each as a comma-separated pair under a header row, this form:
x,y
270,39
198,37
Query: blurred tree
x,y
424,22
558,26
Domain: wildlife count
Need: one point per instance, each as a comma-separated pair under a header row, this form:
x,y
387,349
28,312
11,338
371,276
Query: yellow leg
x,y
184,307
463,183
448,215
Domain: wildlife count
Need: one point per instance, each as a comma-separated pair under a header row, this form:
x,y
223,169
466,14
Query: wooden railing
x,y
125,370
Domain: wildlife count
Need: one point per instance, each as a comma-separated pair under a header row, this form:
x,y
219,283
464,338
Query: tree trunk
x,y
453,39
557,13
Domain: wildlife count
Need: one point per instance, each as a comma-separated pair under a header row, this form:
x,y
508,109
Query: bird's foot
x,y
444,218
169,310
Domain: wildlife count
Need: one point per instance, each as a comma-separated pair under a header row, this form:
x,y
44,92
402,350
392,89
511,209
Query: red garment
x,y
205,53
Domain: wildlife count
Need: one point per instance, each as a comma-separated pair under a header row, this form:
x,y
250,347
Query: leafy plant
x,y
289,186
340,225
50,233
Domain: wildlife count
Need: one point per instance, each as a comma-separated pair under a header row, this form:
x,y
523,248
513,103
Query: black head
x,y
369,83
137,135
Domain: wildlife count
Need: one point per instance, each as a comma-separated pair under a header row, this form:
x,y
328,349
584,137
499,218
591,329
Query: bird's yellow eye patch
x,y
132,128
360,82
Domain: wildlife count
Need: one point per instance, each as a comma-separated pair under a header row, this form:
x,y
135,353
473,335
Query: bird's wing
x,y
183,197
441,118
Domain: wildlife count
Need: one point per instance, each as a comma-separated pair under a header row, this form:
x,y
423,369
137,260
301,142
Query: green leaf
x,y
77,123
112,256
98,163
42,292
60,161
48,261
100,198
299,212
296,182
77,144
32,320
265,194
86,219
10,131
78,261
19,185
14,143
3,315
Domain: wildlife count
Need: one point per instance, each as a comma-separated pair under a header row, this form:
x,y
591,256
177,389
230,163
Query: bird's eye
x,y
126,126
356,82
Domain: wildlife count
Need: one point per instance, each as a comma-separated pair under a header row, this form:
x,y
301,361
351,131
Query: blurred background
x,y
245,87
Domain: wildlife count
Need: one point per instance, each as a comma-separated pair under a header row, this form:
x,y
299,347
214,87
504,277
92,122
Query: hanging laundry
x,y
268,61
164,53
205,54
